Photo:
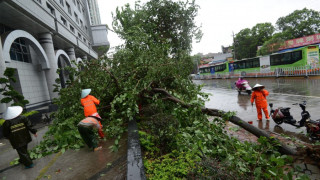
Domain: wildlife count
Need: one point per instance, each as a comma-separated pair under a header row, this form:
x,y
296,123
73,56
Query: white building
x,y
94,12
39,36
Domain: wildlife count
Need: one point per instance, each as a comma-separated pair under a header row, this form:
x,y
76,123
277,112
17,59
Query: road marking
x,y
45,169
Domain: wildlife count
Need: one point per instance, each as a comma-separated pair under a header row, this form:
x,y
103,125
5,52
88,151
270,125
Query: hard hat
x,y
12,112
257,86
85,93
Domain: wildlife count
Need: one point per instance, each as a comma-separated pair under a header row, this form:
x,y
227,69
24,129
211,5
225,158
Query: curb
x,y
135,167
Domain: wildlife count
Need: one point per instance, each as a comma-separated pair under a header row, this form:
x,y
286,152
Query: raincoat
x,y
85,129
261,102
89,104
17,131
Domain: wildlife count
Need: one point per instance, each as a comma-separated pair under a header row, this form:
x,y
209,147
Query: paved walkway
x,y
81,164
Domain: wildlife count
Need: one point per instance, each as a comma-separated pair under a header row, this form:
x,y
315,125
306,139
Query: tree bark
x,y
283,149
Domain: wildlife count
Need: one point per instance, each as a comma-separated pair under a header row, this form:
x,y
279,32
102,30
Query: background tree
x,y
299,23
247,40
272,45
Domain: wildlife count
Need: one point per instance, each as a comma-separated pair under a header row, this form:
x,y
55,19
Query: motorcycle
x,y
281,115
243,85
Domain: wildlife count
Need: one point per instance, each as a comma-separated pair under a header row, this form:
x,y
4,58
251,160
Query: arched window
x,y
19,51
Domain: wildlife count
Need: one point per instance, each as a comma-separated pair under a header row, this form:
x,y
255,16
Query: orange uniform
x,y
261,102
89,105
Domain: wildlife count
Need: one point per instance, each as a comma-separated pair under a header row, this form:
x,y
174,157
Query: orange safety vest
x,y
91,122
260,98
89,105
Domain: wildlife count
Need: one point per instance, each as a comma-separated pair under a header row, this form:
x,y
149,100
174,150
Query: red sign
x,y
204,65
303,41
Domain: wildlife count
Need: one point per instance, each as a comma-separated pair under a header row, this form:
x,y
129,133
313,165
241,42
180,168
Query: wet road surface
x,y
283,93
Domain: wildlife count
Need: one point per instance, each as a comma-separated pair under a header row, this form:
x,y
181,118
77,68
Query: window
x,y
256,62
84,40
221,67
64,21
61,2
79,8
79,35
83,10
19,51
275,59
296,56
76,16
81,24
248,64
72,28
69,8
285,58
86,28
51,9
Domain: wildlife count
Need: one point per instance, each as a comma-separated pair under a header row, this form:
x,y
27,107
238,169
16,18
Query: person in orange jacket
x,y
259,96
89,106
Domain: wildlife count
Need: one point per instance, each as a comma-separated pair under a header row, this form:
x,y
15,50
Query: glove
x,y
101,134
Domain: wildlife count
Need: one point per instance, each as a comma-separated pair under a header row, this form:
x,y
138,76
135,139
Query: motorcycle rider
x,y
239,82
259,96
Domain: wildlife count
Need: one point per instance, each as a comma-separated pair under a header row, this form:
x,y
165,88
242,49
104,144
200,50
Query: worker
x,y
89,103
16,128
259,96
86,127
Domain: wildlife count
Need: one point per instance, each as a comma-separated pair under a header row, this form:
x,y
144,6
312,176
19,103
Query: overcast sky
x,y
219,18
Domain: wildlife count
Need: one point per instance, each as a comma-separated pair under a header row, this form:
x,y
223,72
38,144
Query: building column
x,y
46,42
3,107
71,54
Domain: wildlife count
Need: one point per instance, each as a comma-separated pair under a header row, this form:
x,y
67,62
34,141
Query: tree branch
x,y
114,78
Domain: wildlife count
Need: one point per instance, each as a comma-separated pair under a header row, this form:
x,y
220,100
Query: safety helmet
x,y
12,112
85,93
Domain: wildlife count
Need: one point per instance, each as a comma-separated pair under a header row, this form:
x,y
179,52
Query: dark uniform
x,y
17,131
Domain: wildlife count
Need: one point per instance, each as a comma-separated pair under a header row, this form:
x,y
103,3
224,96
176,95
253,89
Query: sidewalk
x,y
81,164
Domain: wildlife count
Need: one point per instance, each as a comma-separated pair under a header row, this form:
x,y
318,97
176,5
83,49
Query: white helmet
x,y
85,93
12,112
257,86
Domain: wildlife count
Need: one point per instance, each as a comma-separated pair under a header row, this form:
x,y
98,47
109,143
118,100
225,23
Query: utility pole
x,y
234,47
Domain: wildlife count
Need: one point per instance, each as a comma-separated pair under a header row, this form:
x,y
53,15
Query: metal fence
x,y
276,72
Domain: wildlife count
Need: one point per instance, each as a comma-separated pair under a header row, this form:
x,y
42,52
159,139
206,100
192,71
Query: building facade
x,y
39,36
94,12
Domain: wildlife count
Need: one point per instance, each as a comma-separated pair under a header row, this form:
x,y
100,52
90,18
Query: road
x,y
284,92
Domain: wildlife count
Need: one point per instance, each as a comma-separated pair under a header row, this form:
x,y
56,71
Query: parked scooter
x,y
281,115
243,85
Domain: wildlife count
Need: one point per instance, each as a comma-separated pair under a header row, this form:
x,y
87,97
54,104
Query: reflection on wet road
x,y
283,93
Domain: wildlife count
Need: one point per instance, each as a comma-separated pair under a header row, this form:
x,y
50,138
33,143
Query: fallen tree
x,y
283,149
